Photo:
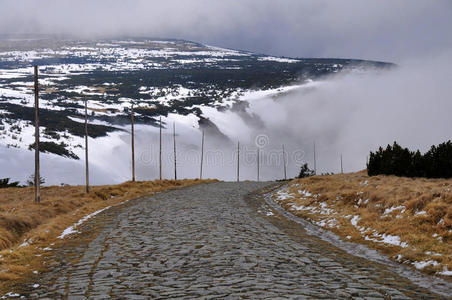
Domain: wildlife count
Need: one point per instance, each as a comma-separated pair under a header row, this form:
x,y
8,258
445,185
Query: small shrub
x,y
31,180
305,171
4,183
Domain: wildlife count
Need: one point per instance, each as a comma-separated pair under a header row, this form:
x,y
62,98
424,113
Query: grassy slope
x,y
40,224
418,211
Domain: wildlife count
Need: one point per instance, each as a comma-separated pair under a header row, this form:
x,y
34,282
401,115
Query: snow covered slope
x,y
196,86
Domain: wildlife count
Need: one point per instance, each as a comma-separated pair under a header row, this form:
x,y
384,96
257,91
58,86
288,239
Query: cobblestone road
x,y
210,241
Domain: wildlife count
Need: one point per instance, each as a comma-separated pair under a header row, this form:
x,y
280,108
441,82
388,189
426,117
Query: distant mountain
x,y
185,82
159,76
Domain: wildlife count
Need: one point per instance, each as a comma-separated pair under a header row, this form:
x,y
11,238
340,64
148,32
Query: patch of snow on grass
x,y
355,221
445,272
283,195
304,193
10,295
438,237
321,223
327,223
25,243
299,207
71,229
422,264
323,210
386,239
390,210
433,253
393,240
421,213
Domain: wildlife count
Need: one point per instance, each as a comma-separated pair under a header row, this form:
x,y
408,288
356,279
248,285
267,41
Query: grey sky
x,y
348,114
373,29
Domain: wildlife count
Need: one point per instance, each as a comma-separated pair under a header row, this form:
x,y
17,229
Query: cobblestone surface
x,y
210,241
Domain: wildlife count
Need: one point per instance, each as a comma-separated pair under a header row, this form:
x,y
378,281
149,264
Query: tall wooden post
x,y
37,175
160,150
86,148
257,160
202,155
133,142
238,161
315,163
174,140
342,169
284,161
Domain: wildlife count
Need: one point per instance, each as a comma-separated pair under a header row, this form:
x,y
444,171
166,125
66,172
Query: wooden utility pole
x,y
257,160
133,143
342,169
86,148
202,155
315,164
238,161
37,175
160,150
174,140
284,161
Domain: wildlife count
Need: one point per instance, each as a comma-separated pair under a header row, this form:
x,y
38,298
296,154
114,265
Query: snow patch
x,y
391,209
386,239
71,229
355,221
305,193
10,295
445,272
422,264
278,59
327,223
283,195
25,243
420,213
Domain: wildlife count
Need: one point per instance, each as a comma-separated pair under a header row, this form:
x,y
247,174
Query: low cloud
x,y
352,114
375,29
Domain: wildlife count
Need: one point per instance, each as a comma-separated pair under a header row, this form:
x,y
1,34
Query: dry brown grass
x,y
418,211
40,224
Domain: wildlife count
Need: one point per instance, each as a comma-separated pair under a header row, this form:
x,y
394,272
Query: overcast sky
x,y
348,114
389,30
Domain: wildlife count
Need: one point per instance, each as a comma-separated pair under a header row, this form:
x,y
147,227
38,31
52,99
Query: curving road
x,y
210,241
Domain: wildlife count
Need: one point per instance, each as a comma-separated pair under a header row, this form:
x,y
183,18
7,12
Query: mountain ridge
x,y
170,78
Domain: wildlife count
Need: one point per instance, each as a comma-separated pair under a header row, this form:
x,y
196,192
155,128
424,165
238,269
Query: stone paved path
x,y
209,241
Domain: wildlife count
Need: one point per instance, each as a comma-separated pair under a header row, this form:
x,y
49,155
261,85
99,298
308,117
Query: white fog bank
x,y
349,114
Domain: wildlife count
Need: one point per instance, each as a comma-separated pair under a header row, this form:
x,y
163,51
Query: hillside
x,y
408,219
181,81
29,231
